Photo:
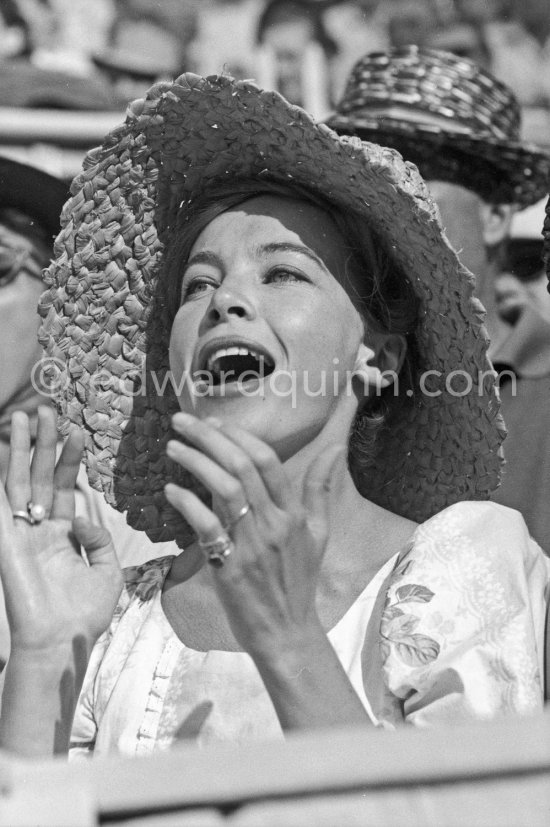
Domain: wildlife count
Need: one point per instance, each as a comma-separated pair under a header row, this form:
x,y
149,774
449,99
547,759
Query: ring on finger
x,y
218,550
22,515
36,512
242,513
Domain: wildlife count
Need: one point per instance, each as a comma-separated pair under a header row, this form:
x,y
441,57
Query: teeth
x,y
234,351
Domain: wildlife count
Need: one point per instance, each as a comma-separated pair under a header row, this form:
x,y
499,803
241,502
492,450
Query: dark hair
x,y
388,303
278,11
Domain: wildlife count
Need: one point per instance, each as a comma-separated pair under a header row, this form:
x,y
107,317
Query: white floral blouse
x,y
451,629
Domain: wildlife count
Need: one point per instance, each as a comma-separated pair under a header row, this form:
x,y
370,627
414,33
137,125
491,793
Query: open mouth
x,y
236,364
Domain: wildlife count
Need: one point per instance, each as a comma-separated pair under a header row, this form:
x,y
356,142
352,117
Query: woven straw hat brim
x,y
526,169
98,318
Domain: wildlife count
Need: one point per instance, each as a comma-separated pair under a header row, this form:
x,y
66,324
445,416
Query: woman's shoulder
x,y
143,581
463,620
141,584
480,541
483,524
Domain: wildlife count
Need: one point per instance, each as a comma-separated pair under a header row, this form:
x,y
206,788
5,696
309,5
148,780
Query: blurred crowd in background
x,y
77,54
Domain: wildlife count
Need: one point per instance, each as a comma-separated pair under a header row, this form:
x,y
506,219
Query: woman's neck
x,y
362,536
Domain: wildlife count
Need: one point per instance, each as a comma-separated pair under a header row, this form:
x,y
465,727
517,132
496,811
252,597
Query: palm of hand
x,y
53,595
67,596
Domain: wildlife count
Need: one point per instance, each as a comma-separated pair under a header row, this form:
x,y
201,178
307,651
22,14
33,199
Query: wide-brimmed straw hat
x,y
99,319
447,115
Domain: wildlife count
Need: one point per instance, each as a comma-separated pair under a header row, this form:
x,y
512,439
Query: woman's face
x,y
262,292
19,294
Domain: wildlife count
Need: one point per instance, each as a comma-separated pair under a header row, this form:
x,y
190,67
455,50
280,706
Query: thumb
x,y
317,484
96,541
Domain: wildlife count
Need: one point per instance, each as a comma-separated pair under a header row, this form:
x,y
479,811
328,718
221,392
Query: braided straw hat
x,y
99,315
447,115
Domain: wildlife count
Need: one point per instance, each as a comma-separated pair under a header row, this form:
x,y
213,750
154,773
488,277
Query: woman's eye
x,y
197,287
283,274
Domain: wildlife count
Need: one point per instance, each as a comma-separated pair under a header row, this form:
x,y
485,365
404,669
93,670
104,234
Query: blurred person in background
x,y
461,30
30,206
412,22
143,46
524,358
291,35
52,67
436,24
520,50
523,282
479,12
357,27
14,31
225,40
65,33
461,127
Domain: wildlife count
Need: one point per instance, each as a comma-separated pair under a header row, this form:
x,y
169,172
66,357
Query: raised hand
x,y
52,594
57,603
268,584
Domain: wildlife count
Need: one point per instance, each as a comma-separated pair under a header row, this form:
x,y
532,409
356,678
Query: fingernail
x,y
213,421
182,419
174,447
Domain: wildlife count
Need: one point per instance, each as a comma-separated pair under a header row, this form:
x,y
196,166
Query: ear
x,y
378,363
495,221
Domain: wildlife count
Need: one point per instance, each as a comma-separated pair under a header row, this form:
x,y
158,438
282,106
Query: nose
x,y
227,303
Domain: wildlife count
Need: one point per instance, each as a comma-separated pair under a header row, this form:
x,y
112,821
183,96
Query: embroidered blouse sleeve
x,y
84,728
140,583
462,625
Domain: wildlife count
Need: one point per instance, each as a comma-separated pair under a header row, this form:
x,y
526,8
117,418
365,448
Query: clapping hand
x,y
52,595
266,541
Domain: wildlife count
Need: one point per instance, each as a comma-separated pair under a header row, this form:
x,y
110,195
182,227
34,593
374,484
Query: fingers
x,y
265,460
43,459
18,479
202,520
228,492
213,445
97,543
206,525
66,472
317,484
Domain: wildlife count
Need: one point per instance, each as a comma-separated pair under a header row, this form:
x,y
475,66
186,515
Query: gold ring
x,y
22,515
242,513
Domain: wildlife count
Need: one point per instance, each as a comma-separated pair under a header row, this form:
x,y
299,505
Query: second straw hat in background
x,y
444,113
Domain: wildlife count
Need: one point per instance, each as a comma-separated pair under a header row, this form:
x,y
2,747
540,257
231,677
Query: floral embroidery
x,y
397,628
145,580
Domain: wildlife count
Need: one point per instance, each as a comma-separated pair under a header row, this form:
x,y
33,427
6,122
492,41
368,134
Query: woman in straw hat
x,y
274,358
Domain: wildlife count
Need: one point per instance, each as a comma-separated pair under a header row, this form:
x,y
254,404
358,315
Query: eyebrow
x,y
287,247
208,257
204,257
